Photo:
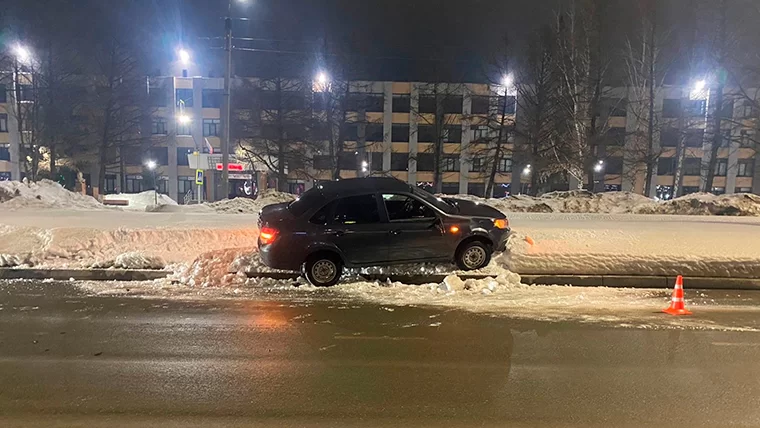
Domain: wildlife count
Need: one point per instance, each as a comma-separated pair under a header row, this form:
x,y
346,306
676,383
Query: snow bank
x,y
739,204
141,201
581,202
132,260
43,194
633,245
217,268
235,206
81,247
13,260
574,201
251,206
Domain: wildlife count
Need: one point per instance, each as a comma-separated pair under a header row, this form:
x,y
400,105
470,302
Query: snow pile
x,y
251,206
141,201
271,196
43,194
574,201
132,260
14,260
739,204
453,283
235,206
582,201
215,268
412,269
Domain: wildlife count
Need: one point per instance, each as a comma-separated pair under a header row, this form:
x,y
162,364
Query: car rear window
x,y
309,199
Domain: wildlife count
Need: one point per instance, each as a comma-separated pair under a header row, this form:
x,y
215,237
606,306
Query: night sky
x,y
422,40
378,39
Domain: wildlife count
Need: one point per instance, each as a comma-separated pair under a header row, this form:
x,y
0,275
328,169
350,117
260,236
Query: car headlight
x,y
501,223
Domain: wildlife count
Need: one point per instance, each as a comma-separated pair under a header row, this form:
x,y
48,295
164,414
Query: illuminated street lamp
x,y
365,166
322,78
506,81
22,53
321,81
526,170
183,119
151,165
599,166
699,90
184,56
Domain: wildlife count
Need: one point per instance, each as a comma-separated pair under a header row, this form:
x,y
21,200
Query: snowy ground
x,y
626,308
45,225
563,243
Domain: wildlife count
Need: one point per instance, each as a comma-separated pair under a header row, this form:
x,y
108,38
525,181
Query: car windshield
x,y
435,201
308,199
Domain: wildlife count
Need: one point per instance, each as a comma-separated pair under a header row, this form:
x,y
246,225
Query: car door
x,y
357,230
415,230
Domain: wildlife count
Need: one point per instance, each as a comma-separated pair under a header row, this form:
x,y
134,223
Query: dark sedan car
x,y
376,221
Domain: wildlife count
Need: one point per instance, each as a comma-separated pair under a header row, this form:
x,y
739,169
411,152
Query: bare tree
x,y
121,104
646,68
490,148
539,122
277,129
582,64
720,49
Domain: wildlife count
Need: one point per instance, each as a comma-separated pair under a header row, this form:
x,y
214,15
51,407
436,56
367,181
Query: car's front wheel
x,y
323,270
473,255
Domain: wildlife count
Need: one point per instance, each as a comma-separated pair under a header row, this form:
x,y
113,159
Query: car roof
x,y
353,185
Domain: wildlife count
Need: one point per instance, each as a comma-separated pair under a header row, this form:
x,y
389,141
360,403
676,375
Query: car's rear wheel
x,y
323,269
473,255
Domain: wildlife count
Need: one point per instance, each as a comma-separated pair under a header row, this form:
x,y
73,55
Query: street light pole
x,y
227,104
152,165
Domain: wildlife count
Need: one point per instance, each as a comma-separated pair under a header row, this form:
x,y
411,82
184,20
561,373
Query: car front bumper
x,y
500,237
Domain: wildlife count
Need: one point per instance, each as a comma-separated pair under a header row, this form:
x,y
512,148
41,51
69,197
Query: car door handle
x,y
337,232
395,232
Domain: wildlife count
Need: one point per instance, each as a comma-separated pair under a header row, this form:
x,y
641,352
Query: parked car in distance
x,y
376,221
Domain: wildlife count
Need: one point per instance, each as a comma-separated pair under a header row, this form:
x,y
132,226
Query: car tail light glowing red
x,y
267,235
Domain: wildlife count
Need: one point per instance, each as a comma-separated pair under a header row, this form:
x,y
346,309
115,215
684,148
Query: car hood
x,y
475,209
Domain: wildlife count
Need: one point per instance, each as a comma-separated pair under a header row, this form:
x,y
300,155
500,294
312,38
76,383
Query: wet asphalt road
x,y
67,359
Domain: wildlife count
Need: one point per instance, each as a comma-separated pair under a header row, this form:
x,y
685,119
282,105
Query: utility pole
x,y
227,104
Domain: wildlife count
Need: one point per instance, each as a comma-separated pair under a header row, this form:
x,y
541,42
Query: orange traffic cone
x,y
676,301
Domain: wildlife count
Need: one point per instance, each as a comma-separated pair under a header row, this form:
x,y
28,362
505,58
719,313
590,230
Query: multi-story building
x,y
393,130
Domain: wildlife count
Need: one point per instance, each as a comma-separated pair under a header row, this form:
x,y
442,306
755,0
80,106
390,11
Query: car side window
x,y
323,215
356,210
402,207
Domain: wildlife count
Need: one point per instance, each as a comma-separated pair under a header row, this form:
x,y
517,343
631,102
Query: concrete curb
x,y
644,281
621,281
617,281
83,274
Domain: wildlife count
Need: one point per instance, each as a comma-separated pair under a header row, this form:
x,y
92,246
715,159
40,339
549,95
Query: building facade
x,y
393,131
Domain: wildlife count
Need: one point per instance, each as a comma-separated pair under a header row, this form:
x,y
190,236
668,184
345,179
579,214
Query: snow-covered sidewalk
x,y
627,244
